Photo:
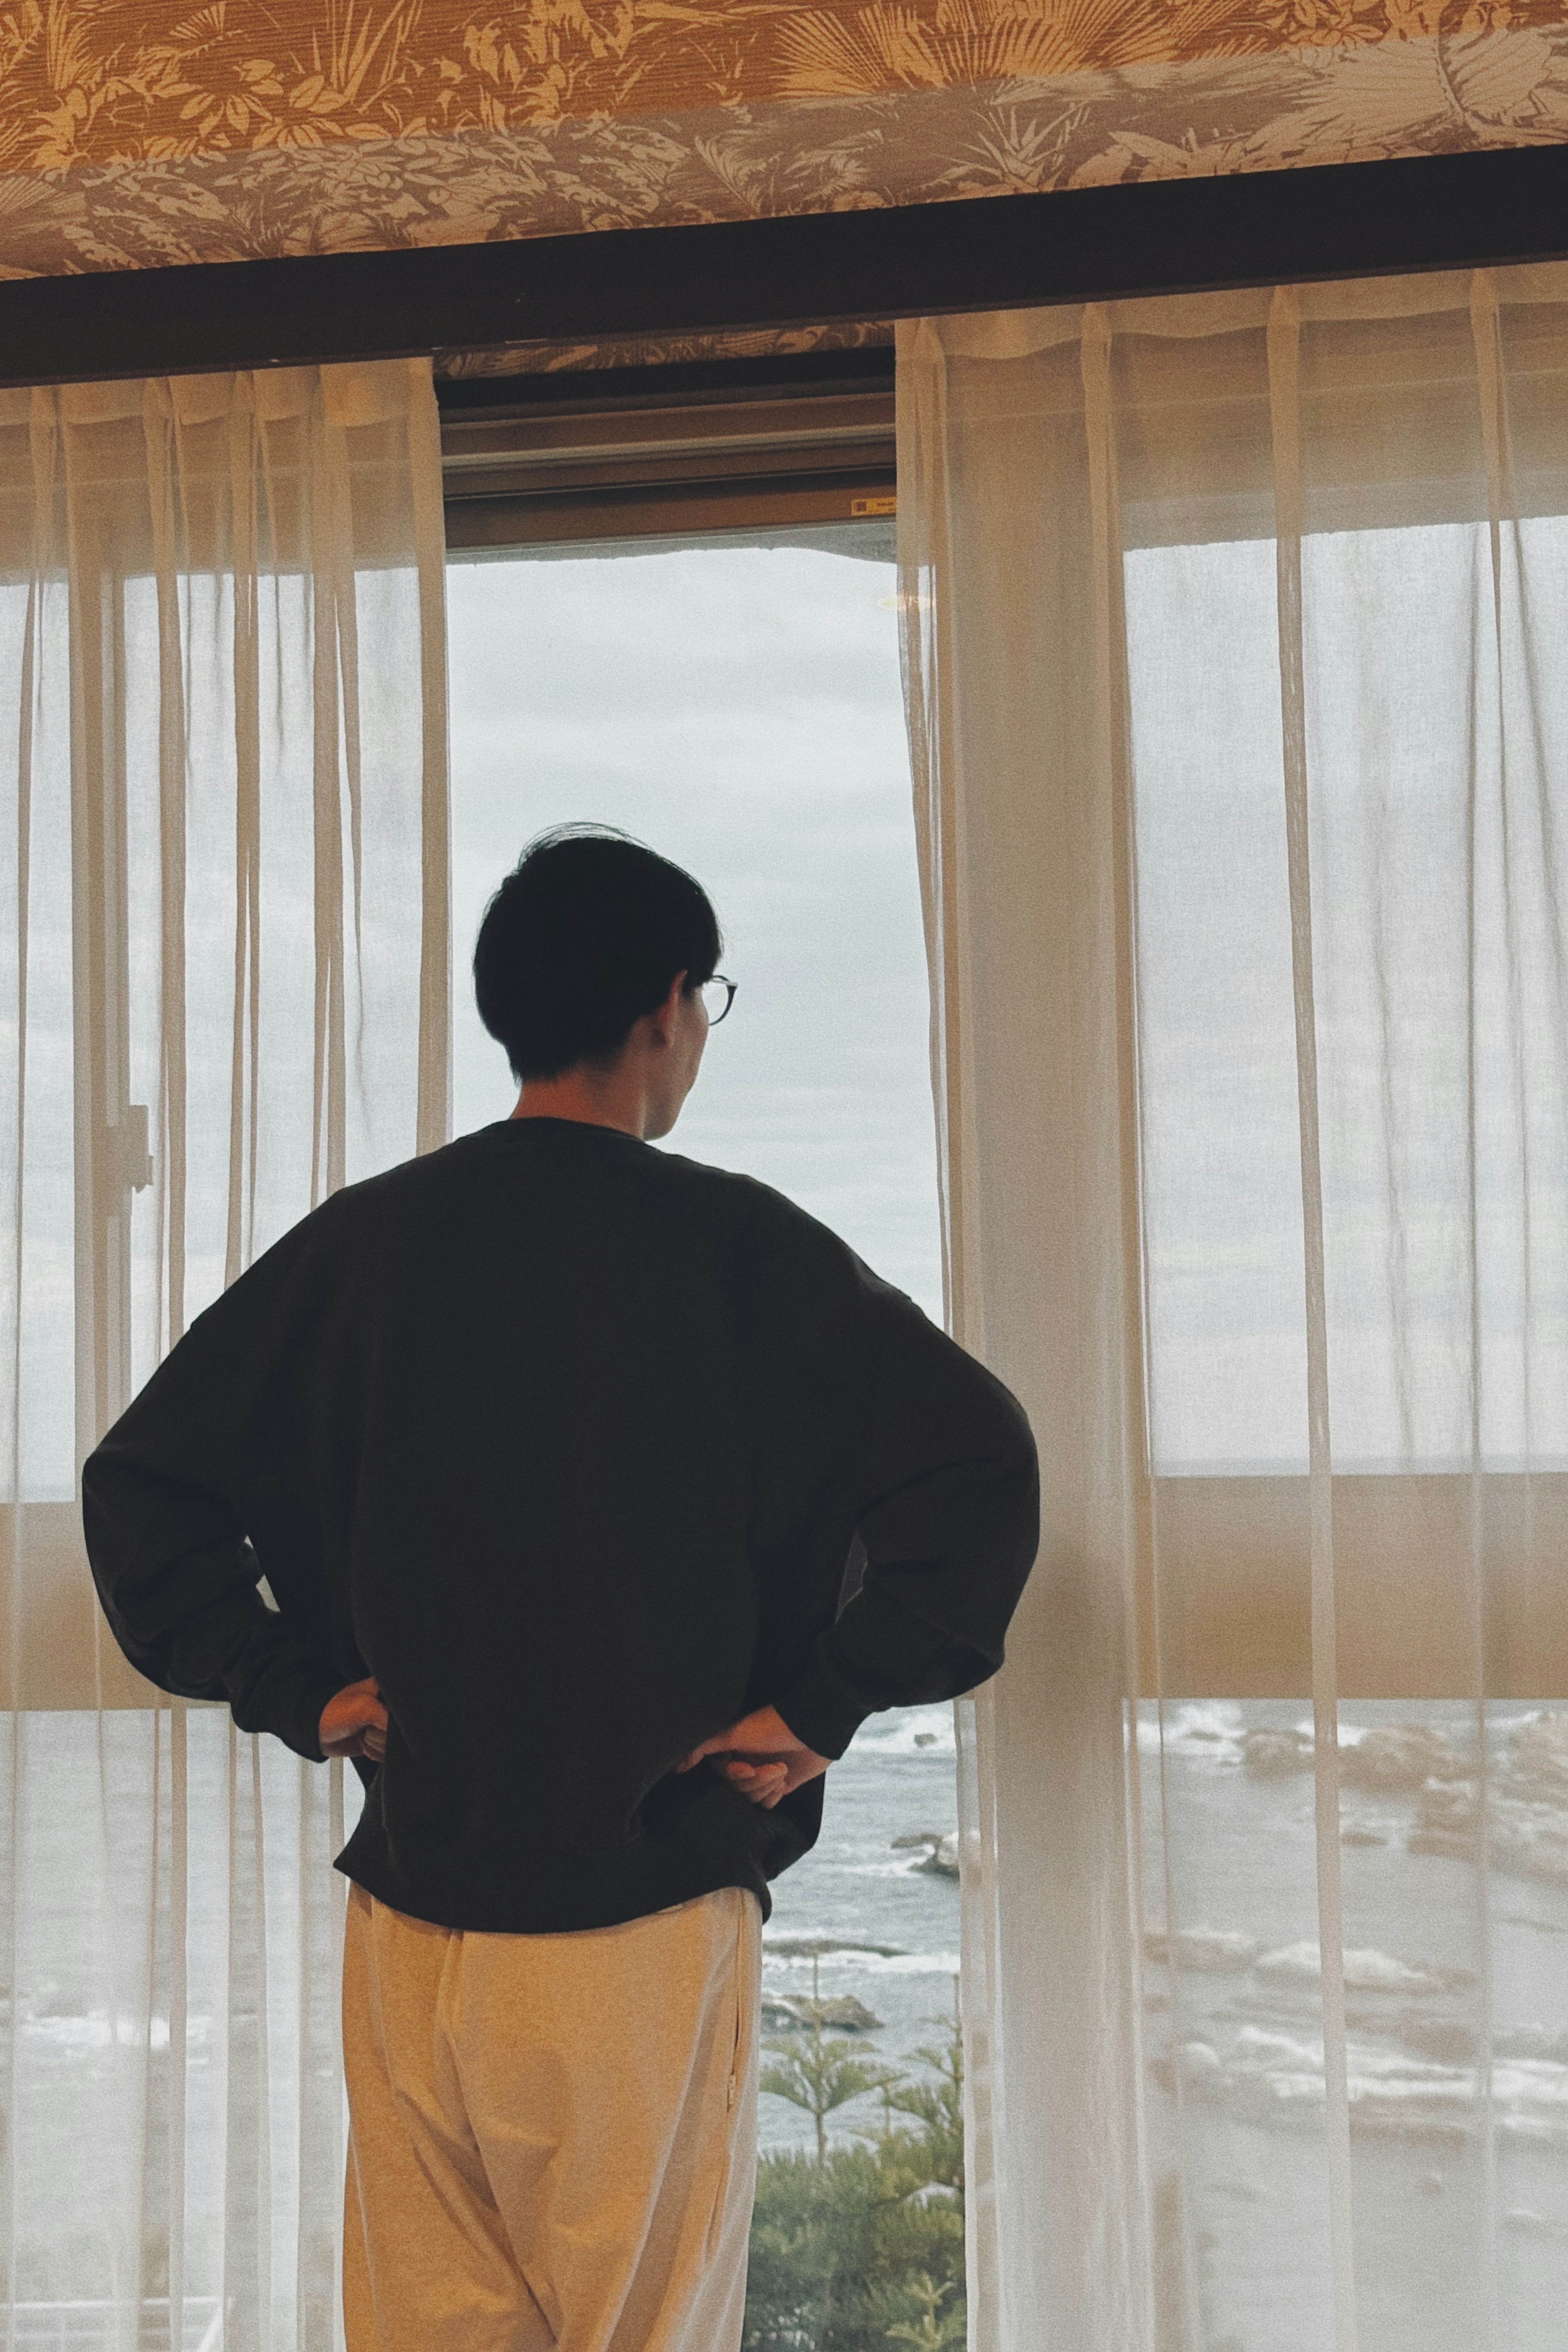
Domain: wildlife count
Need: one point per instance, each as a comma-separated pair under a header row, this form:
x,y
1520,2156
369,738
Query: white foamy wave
x,y
1365,1971
1212,1729
904,1867
98,2031
1218,1950
907,1731
1265,2076
871,1964
1399,1758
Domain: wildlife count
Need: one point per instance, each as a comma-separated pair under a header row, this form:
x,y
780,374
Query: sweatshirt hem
x,y
586,1893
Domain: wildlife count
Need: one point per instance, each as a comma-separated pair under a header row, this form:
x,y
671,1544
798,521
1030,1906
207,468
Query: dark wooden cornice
x,y
1152,236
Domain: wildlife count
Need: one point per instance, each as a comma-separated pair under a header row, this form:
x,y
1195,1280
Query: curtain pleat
x,y
433,1117
225,972
244,492
1285,418
1020,915
1232,630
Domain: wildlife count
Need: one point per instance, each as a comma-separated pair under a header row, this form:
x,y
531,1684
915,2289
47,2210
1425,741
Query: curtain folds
x,y
224,994
1233,632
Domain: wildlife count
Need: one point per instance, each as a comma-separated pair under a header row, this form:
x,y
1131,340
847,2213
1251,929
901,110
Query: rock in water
x,y
1215,1951
942,1849
809,1948
841,2014
1272,1755
1396,1759
1523,1810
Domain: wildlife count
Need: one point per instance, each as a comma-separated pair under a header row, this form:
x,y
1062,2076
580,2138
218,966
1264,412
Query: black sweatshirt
x,y
567,1441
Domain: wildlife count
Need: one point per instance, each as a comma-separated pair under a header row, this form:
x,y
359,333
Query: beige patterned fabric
x,y
133,135
660,351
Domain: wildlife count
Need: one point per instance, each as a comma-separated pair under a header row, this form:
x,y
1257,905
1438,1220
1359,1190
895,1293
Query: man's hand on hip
x,y
760,1756
354,1722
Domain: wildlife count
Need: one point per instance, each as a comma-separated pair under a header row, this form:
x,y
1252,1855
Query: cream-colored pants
x,y
553,2138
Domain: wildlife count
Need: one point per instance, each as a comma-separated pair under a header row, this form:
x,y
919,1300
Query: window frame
x,y
592,455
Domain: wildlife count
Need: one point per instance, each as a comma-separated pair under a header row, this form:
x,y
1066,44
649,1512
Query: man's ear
x,y
663,1016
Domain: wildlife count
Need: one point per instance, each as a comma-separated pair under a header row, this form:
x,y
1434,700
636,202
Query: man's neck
x,y
615,1099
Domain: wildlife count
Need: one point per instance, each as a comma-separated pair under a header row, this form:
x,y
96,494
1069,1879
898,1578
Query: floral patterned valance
x,y
133,134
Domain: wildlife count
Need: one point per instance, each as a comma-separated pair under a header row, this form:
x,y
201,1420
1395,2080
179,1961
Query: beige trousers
x,y
553,2138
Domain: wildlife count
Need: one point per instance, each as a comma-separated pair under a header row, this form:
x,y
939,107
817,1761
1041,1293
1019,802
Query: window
x,y
726,685
1455,1889
738,705
1221,1171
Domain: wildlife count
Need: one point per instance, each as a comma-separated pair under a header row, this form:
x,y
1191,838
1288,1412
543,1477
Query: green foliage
x,y
823,2075
938,2109
860,2248
935,2329
820,2077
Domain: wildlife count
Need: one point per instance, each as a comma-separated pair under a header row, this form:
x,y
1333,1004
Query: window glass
x,y
1434,926
1445,1284
1454,1869
739,707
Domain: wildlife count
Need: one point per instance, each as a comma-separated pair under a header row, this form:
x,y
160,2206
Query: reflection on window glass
x,y
740,709
1456,1926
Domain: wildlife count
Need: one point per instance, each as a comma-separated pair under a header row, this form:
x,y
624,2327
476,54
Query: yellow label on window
x,y
873,506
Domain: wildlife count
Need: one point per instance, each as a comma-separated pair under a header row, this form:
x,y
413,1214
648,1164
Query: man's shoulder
x,y
468,1158
752,1219
755,1213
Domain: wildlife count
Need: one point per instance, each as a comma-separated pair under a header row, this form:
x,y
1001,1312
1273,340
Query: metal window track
x,y
535,464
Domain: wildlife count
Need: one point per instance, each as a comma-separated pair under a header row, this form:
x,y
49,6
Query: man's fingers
x,y
765,1788
762,1735
370,1740
763,1784
760,1757
714,1747
353,1722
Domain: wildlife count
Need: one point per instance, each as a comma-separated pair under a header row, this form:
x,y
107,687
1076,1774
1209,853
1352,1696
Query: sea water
x,y
887,1923
1459,2166
1455,1995
1456,1952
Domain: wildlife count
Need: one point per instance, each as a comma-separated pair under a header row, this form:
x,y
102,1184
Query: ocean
x,y
894,1921
1459,2173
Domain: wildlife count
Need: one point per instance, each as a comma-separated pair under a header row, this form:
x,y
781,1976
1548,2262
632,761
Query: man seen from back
x,y
552,1449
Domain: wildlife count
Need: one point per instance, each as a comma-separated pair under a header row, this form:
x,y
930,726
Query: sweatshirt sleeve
x,y
942,1482
163,1513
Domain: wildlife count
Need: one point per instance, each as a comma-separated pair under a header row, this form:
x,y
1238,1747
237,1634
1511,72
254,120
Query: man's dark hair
x,y
583,937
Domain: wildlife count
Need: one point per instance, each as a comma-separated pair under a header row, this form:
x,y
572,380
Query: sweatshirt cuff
x,y
287,1700
822,1712
307,1743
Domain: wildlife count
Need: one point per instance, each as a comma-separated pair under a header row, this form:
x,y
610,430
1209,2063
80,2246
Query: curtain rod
x,y
1153,236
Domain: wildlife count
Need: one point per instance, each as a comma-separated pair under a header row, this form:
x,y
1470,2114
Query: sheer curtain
x,y
1236,653
224,994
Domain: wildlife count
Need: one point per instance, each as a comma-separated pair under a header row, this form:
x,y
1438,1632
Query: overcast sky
x,y
737,709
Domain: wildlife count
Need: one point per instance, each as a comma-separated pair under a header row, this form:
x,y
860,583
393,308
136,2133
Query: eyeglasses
x,y
718,994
